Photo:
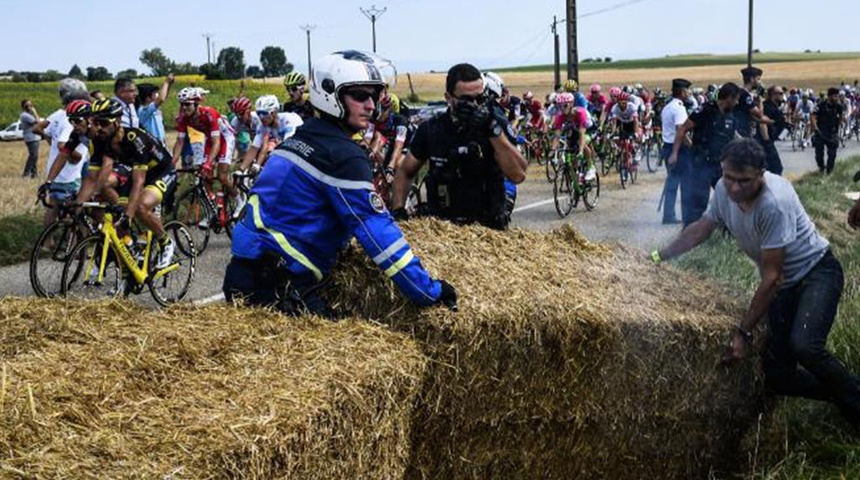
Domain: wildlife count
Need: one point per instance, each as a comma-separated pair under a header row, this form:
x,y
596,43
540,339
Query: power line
x,y
308,29
609,8
372,14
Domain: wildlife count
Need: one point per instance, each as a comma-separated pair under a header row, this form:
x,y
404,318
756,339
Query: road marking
x,y
206,301
533,205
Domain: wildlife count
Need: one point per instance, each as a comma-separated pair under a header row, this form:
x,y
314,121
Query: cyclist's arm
x,y
96,180
215,138
399,143
177,148
582,135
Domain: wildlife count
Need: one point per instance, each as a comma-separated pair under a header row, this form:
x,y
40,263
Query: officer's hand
x,y
481,121
672,160
448,297
400,214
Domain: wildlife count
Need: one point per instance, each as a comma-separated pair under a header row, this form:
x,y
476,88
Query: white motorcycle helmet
x,y
332,73
493,85
267,103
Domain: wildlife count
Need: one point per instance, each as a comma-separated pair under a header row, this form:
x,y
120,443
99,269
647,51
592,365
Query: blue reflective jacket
x,y
314,194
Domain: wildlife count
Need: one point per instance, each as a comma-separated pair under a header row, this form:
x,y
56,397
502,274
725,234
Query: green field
x,y
695,60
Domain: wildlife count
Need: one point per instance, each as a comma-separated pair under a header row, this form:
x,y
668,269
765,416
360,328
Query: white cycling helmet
x,y
267,103
189,94
332,73
553,97
493,84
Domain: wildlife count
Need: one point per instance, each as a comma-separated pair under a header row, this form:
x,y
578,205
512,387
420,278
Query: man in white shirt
x,y
125,91
673,116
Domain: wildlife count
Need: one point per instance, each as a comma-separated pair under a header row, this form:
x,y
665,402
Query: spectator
x,y
148,107
125,91
29,118
825,120
801,280
713,127
470,151
673,116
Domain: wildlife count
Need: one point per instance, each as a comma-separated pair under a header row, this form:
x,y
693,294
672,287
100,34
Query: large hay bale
x,y
566,359
109,390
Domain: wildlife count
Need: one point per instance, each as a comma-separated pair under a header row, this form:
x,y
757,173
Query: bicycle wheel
x,y
171,284
623,172
562,191
80,277
48,256
650,159
193,210
634,170
542,154
552,166
590,191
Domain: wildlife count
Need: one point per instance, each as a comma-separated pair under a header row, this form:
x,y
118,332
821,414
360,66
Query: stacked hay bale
x,y
566,359
110,390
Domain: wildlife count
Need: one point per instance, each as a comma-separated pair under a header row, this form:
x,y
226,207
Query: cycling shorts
x,y
225,157
626,129
162,185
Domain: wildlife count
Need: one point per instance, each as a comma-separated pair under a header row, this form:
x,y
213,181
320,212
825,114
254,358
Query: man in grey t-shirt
x,y
801,280
29,118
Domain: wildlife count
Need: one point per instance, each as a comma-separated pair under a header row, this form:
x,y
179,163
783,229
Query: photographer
x,y
469,154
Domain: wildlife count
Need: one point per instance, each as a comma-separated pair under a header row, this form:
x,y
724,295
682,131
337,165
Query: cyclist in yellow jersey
x,y
298,99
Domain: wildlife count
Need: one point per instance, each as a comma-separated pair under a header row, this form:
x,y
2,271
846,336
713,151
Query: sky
x,y
417,35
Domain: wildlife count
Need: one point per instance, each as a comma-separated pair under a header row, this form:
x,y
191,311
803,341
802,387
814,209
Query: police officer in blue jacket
x,y
316,193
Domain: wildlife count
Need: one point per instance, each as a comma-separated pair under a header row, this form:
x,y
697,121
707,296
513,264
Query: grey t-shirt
x,y
28,121
776,220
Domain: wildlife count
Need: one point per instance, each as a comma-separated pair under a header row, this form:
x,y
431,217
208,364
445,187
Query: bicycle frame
x,y
140,273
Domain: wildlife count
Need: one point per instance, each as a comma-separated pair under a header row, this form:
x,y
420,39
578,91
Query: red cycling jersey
x,y
535,108
205,122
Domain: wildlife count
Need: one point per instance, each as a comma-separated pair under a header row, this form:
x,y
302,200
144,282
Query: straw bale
x,y
109,390
566,360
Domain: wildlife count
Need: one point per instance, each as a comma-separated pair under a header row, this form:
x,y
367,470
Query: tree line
x,y
229,65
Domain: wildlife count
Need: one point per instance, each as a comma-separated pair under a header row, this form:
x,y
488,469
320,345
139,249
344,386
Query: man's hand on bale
x,y
448,297
736,350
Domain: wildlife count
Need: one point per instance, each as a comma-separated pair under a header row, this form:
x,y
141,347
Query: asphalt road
x,y
628,216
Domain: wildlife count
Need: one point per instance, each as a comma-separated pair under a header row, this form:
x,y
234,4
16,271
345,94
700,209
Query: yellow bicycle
x,y
103,266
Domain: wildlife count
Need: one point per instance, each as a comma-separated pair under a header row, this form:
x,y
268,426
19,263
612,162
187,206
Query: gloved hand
x,y
448,297
400,214
206,169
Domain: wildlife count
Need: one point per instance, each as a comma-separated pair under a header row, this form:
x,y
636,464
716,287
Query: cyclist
x,y
624,119
74,151
534,112
804,112
512,105
614,92
596,100
273,127
297,98
203,119
243,121
389,129
575,122
153,177
317,195
579,100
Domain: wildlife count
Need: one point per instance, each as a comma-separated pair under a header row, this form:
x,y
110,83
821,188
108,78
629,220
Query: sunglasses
x,y
362,95
263,113
478,99
77,120
188,104
296,89
104,122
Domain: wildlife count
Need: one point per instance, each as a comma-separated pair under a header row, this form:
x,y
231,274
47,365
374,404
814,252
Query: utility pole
x,y
749,37
372,14
557,69
572,53
308,29
208,37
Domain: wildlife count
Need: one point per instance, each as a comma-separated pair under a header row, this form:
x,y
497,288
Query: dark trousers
x,y
819,143
674,174
263,283
696,184
774,163
796,362
32,158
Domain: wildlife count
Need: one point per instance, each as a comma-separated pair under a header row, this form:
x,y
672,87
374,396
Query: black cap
x,y
751,72
832,91
678,83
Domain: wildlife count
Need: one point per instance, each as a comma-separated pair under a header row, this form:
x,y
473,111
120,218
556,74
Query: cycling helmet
x,y
595,88
241,105
624,97
805,95
638,87
493,84
570,85
564,98
528,95
107,108
189,94
552,97
332,73
79,109
658,91
614,92
294,79
626,89
267,103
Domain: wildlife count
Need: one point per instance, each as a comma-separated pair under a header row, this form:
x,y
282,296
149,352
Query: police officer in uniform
x,y
826,118
316,193
748,111
713,127
768,133
673,115
470,153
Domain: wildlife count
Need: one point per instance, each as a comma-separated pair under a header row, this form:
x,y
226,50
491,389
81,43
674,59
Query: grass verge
x,y
18,233
802,439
